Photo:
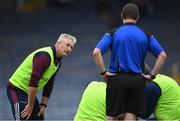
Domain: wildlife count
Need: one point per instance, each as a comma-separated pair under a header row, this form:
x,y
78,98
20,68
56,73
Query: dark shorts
x,y
125,93
18,101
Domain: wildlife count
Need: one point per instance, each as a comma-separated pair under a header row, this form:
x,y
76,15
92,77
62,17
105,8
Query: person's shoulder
x,y
42,54
113,30
93,82
96,83
160,76
147,31
165,77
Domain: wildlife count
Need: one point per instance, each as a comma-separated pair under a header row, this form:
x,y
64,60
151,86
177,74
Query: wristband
x,y
102,73
41,104
152,76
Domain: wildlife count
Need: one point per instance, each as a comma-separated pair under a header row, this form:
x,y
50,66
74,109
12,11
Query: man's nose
x,y
70,49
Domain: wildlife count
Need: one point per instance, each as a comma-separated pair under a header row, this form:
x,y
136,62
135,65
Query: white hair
x,y
68,36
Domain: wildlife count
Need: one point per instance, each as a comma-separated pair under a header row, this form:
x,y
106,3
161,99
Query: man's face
x,y
66,47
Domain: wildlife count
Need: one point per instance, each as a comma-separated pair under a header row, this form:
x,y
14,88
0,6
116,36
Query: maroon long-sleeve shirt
x,y
41,62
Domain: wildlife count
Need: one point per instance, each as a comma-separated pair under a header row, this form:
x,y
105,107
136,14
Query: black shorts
x,y
125,93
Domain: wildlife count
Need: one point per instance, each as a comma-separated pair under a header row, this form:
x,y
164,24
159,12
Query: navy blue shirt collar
x,y
56,60
129,23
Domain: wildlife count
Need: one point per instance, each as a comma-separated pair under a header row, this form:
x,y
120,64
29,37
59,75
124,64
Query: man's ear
x,y
60,42
121,16
137,18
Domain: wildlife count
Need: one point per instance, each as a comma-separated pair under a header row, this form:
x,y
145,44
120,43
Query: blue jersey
x,y
128,45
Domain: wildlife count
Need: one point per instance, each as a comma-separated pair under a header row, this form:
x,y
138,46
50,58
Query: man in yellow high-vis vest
x,y
37,72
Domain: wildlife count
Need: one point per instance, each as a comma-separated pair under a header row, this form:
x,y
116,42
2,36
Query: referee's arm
x,y
159,63
99,60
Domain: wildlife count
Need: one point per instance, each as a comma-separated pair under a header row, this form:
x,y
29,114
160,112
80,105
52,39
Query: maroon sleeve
x,y
49,86
41,62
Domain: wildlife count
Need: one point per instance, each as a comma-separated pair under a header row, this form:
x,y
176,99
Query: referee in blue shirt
x,y
129,45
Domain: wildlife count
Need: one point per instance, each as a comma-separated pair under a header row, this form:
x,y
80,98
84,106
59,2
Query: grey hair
x,y
63,36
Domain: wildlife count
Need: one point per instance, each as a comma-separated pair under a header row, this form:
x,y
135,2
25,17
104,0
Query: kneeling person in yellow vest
x,y
92,106
163,98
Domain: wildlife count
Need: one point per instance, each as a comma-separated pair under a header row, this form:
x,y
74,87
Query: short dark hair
x,y
131,11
